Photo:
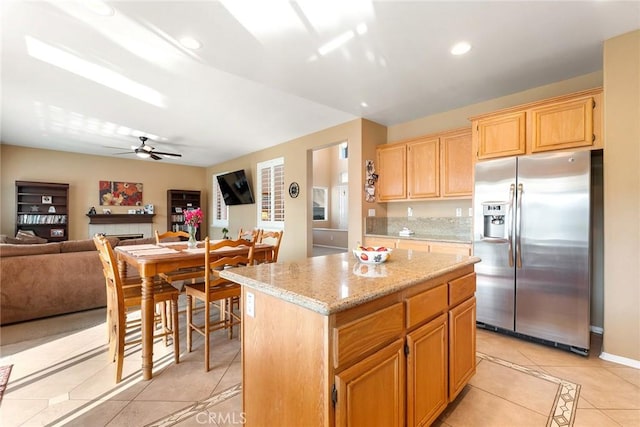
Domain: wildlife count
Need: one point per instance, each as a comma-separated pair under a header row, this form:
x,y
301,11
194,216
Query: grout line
x,y
200,407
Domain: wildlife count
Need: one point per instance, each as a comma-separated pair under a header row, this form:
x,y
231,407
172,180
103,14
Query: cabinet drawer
x,y
356,338
461,288
426,305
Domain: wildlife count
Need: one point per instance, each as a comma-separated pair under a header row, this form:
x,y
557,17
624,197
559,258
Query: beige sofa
x,y
42,280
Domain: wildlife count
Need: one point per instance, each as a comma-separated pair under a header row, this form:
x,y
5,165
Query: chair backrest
x,y
274,238
216,259
250,234
170,236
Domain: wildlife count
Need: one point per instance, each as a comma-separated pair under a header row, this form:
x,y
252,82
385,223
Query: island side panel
x,y
284,363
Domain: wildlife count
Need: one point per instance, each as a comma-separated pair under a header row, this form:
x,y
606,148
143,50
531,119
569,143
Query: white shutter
x,y
271,193
220,209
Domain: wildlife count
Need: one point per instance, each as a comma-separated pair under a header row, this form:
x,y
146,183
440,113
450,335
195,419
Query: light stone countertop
x,y
332,283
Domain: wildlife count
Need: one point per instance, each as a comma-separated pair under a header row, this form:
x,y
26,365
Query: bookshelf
x,y
179,201
43,207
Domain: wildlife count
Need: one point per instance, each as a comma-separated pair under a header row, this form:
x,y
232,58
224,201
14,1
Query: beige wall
x,y
622,196
82,173
298,167
458,118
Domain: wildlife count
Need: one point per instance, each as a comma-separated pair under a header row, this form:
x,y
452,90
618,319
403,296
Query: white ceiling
x,y
244,91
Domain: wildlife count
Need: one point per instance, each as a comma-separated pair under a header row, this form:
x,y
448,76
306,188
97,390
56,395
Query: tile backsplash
x,y
428,228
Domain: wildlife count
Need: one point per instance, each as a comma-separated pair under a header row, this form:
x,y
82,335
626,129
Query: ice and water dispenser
x,y
494,219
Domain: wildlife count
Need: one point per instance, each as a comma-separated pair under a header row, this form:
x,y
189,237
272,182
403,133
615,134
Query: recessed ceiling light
x,y
364,104
99,7
190,43
460,48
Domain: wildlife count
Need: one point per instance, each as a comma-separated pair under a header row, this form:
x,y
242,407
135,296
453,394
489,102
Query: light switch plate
x,y
372,212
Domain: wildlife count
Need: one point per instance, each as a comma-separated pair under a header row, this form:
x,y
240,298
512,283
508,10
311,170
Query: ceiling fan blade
x,y
154,157
124,152
167,154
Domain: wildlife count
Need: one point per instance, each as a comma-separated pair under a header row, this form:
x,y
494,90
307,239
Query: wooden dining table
x,y
152,259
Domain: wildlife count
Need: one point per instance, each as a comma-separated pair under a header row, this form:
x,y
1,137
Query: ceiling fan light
x,y
143,155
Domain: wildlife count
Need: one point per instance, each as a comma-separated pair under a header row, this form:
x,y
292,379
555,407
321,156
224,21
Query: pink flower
x,y
193,217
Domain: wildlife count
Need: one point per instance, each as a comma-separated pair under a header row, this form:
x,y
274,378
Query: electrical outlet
x,y
409,212
458,211
372,212
250,305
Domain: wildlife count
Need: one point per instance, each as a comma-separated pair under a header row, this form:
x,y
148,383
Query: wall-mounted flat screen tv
x,y
235,188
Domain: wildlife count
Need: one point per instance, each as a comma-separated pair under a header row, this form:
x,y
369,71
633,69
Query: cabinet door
x,y
392,172
423,168
450,248
562,125
462,346
427,372
372,392
456,164
415,245
501,135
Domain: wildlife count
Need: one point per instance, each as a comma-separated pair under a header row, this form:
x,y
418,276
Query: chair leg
x,y
175,329
118,340
189,321
207,323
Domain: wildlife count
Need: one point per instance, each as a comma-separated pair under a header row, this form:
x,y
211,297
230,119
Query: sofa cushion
x,y
29,237
8,250
83,245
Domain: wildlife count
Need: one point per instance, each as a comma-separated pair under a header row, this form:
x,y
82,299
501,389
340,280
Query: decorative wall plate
x,y
294,190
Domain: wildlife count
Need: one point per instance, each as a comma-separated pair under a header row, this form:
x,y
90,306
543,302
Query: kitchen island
x,y
330,341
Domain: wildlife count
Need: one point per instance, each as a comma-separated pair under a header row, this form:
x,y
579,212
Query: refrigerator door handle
x,y
512,190
519,225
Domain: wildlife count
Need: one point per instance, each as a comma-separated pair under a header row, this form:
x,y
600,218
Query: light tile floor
x,y
61,376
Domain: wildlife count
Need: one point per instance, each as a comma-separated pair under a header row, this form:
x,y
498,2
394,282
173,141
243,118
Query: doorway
x,y
330,210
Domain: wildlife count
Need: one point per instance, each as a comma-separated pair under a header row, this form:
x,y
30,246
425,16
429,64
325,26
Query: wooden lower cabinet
x,y
397,360
372,392
427,377
462,345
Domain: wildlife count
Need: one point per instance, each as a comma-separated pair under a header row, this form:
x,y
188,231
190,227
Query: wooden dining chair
x,y
171,236
249,234
121,299
217,289
191,273
274,238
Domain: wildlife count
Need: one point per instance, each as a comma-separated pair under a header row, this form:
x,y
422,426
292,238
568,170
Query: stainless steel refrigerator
x,y
532,233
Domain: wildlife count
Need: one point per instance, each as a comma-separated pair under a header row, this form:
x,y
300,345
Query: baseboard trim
x,y
597,330
620,360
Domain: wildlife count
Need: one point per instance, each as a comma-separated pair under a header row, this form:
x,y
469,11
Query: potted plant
x,y
225,230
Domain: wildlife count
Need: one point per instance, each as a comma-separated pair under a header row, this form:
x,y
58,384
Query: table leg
x,y
147,310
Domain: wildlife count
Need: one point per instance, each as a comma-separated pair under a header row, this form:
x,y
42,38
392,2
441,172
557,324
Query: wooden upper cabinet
x,y
456,164
501,135
563,125
565,122
392,172
430,167
423,168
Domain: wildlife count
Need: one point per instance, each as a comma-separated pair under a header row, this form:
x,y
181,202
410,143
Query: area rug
x,y
563,410
5,371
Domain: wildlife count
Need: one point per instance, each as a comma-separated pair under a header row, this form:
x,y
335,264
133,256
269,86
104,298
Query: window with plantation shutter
x,y
220,209
271,193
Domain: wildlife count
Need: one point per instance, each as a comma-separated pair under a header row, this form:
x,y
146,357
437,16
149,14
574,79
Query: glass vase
x,y
192,243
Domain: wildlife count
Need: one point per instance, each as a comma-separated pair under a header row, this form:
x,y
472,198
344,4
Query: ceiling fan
x,y
145,151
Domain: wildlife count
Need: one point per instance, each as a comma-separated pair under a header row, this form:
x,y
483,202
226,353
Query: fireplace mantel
x,y
121,218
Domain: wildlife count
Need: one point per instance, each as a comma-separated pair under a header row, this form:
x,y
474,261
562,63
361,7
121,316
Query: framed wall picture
x,y
57,232
47,200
